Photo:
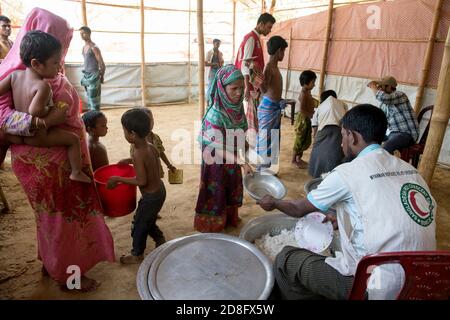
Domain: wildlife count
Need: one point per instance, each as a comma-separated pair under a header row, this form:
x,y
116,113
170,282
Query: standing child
x,y
155,140
136,127
269,111
40,52
96,126
303,121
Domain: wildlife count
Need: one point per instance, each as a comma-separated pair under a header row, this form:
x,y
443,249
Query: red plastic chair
x,y
427,274
413,152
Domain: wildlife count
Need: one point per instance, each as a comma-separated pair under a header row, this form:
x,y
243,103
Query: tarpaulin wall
x,y
165,83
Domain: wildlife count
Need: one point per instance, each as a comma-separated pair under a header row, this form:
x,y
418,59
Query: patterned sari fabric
x,y
70,225
220,195
221,190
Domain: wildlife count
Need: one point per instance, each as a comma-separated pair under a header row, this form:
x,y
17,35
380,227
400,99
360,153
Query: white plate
x,y
312,234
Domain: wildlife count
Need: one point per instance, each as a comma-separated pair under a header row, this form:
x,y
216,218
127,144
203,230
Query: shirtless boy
x,y
96,127
136,127
269,110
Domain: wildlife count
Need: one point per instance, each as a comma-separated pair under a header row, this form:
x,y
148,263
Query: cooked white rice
x,y
271,246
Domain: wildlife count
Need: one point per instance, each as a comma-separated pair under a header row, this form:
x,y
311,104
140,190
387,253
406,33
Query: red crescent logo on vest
x,y
413,201
418,203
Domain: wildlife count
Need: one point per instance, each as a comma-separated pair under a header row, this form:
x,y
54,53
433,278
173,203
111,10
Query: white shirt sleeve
x,y
329,192
248,53
315,118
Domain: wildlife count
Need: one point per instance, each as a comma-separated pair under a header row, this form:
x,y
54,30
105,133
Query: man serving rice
x,y
383,205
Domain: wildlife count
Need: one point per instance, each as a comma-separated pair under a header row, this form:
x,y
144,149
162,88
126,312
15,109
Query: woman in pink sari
x,y
70,225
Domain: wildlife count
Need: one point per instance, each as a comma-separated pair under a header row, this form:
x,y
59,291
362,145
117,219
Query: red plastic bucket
x,y
121,200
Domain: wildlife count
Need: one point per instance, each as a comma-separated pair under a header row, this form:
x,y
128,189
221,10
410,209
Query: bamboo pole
x,y
83,12
143,94
428,56
234,31
439,119
172,33
288,72
201,59
324,5
325,46
112,5
189,56
272,6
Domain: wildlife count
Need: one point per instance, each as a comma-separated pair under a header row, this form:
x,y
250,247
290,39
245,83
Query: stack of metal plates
x,y
207,266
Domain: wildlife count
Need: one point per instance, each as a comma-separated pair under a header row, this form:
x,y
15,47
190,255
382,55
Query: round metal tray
x,y
210,266
144,269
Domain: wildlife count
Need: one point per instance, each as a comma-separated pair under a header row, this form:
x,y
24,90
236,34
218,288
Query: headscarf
x,y
222,113
43,20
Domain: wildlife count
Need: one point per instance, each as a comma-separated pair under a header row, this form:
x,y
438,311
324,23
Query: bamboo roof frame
x,y
440,116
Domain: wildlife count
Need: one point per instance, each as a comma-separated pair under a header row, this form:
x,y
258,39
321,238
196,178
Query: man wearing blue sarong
x,y
93,70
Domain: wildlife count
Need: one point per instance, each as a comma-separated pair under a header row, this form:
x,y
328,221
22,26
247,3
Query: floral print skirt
x,y
220,195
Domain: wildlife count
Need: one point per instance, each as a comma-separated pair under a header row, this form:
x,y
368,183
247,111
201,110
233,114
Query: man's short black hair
x,y
136,120
90,118
86,29
216,40
306,77
275,43
38,45
5,19
326,94
266,18
367,120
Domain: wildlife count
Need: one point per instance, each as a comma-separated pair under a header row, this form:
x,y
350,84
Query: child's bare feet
x,y
130,259
87,285
80,176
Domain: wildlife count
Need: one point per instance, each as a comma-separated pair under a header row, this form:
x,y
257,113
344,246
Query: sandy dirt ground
x,y
20,276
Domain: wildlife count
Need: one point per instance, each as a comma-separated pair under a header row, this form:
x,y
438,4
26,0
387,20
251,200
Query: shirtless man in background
x,y
269,110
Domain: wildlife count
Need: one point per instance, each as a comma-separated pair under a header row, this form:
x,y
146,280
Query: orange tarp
x,y
395,46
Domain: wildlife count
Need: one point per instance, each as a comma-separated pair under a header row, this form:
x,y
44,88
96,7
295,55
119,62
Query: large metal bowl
x,y
271,223
312,184
258,185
